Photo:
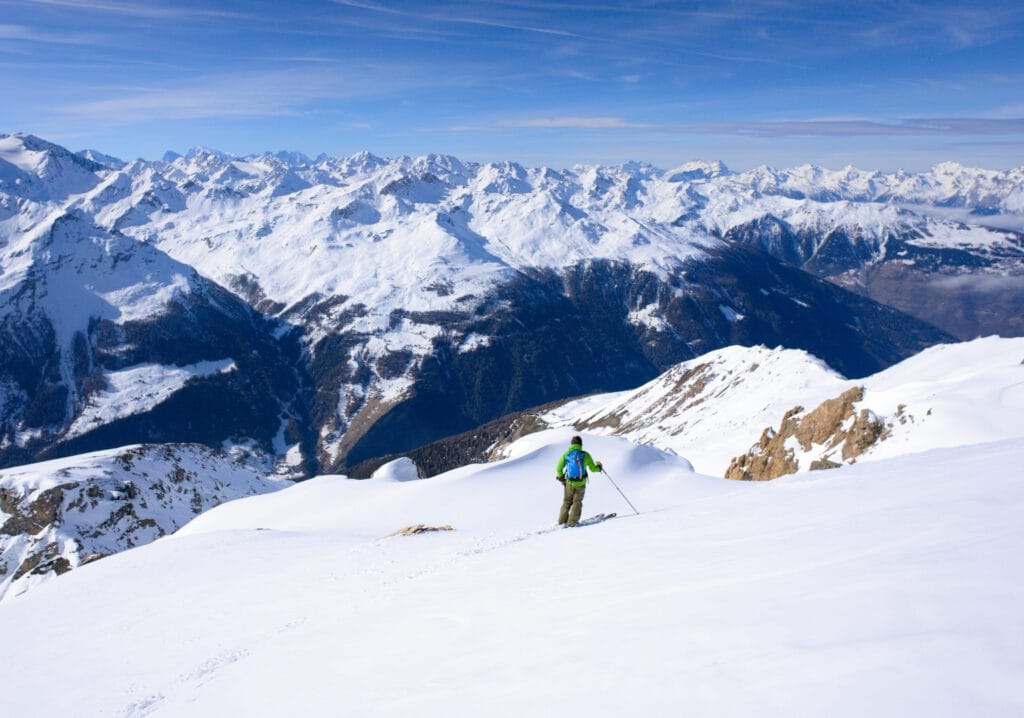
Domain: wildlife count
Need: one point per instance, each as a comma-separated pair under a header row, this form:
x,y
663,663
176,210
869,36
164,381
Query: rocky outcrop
x,y
419,529
833,433
62,514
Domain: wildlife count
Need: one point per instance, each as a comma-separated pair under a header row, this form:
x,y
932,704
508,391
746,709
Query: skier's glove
x,y
560,480
600,466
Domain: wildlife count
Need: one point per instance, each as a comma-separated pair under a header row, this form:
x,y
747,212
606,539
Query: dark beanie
x,y
577,440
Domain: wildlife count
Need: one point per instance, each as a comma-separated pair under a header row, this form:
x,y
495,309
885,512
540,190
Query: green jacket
x,y
588,461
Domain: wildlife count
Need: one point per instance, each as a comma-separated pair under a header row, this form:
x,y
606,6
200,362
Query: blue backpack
x,y
575,468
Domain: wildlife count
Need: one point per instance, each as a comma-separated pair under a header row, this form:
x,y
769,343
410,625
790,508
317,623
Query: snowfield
x,y
890,587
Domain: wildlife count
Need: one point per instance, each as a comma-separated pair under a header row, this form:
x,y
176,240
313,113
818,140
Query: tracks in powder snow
x,y
380,566
484,545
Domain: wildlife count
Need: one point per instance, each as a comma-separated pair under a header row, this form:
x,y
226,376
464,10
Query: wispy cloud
x,y
449,16
960,25
746,58
579,123
920,126
821,127
139,9
28,34
255,94
310,59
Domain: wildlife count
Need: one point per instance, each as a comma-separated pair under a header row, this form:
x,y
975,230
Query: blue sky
x,y
875,84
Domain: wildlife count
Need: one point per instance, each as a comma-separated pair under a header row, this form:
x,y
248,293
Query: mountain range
x,y
329,311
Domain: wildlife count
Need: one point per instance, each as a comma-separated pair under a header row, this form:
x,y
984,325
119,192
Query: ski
x,y
596,519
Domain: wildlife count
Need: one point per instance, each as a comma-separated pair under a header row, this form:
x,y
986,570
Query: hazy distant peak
x,y
698,170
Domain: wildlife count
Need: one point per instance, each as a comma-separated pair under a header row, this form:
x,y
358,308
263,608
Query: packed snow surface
x,y
889,587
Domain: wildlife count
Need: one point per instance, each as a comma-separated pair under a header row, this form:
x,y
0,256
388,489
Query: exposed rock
x,y
822,426
772,460
823,465
420,529
60,515
866,431
40,512
832,427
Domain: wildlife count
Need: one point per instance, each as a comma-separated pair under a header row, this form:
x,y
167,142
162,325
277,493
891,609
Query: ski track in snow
x,y
882,587
381,573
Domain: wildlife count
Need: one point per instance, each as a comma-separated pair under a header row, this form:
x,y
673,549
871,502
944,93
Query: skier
x,y
572,472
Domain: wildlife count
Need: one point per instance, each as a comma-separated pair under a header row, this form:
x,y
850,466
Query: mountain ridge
x,y
387,275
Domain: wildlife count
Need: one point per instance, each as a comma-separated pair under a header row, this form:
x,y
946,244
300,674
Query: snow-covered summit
x,y
491,217
698,170
41,171
98,157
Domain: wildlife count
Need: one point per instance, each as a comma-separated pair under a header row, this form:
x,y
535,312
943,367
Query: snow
x,y
888,586
648,316
138,389
730,314
883,587
712,408
112,500
403,469
952,394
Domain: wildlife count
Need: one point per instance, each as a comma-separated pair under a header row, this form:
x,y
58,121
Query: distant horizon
x,y
543,83
313,156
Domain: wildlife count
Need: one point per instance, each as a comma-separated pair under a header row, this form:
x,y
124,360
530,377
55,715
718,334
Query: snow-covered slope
x,y
707,409
58,515
886,588
101,334
710,409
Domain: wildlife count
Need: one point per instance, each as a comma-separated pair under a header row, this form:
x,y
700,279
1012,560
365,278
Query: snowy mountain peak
x,y
640,169
359,163
698,170
292,158
702,407
207,154
44,170
109,161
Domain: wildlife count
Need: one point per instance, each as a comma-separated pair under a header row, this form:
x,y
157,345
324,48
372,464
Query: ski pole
x,y
605,472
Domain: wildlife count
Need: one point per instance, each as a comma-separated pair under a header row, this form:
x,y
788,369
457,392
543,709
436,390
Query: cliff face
x,y
835,432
